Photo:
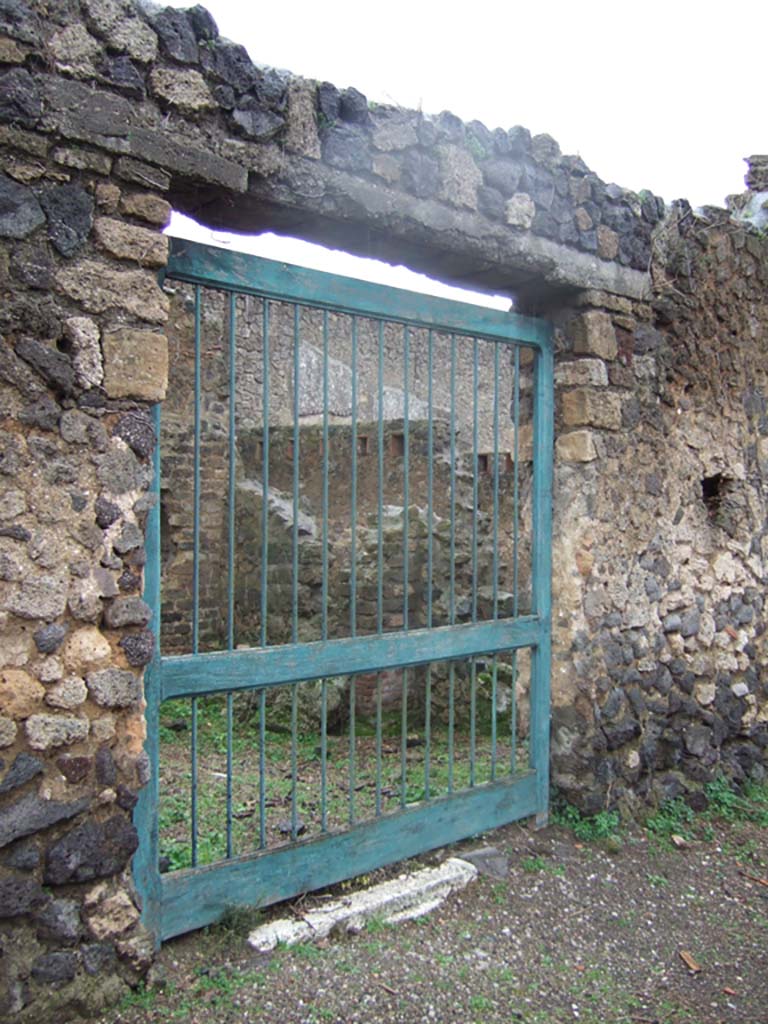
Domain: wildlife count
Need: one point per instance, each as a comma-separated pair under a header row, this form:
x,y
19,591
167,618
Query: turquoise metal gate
x,y
353,538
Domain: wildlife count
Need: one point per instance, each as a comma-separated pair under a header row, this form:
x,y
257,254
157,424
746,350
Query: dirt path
x,y
607,932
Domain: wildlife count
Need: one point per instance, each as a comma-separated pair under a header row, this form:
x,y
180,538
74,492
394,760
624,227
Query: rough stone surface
x,y
176,35
581,372
30,814
520,210
99,289
113,916
127,611
591,408
49,638
301,131
114,687
120,471
70,693
84,649
460,176
8,730
84,338
133,244
146,207
20,100
69,210
23,769
185,91
20,212
20,694
138,432
91,850
54,968
577,445
19,897
139,648
46,731
60,921
136,364
53,366
594,334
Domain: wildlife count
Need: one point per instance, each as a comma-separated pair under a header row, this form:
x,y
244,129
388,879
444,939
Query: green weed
x,y
538,863
674,817
533,864
659,881
140,997
749,805
306,951
587,828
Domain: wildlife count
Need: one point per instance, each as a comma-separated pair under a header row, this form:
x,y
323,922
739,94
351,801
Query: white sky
x,y
666,96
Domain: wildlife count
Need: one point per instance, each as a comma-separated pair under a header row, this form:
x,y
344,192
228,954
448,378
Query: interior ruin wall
x,y
109,117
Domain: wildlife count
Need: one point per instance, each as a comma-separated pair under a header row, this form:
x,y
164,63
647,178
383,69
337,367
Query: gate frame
x,y
191,898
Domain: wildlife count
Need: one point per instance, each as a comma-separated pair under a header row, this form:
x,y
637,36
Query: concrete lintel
x,y
368,218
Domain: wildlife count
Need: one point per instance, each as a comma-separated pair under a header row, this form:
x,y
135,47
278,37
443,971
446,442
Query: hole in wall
x,y
713,489
397,444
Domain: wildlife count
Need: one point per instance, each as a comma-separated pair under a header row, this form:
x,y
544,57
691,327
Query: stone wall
x,y
108,117
659,669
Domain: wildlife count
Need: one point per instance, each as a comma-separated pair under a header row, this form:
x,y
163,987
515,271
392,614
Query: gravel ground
x,y
630,932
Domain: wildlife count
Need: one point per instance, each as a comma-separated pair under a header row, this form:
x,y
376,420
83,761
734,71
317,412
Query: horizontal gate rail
x,y
220,268
192,899
197,674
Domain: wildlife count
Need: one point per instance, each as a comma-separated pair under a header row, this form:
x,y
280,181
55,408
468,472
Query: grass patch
x,y
539,863
725,803
673,818
589,828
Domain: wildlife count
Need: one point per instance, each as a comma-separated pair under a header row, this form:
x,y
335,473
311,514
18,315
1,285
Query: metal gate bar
x,y
183,899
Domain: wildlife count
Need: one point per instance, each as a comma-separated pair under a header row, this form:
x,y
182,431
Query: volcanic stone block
x,y
581,372
98,289
20,99
92,850
186,91
19,896
576,446
31,814
520,211
593,334
128,242
591,408
148,207
59,921
53,366
20,693
54,969
177,38
137,430
49,638
45,731
136,364
24,768
114,687
20,212
127,611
